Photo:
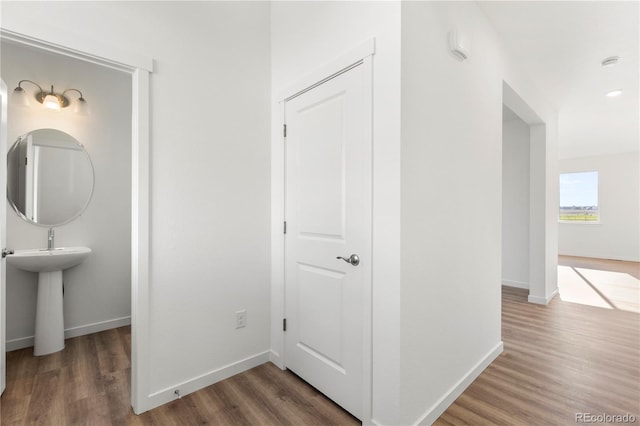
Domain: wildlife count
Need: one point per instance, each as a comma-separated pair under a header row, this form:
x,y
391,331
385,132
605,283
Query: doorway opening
x,y
515,200
526,254
93,300
137,70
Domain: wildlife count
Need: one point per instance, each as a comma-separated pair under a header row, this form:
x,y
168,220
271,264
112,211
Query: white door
x,y
328,215
3,233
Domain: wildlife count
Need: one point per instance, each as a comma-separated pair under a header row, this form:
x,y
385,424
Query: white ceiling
x,y
562,44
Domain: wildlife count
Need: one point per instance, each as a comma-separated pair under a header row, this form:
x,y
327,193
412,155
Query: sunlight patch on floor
x,y
599,288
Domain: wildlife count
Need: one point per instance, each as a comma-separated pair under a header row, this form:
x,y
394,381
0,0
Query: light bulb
x,y
51,102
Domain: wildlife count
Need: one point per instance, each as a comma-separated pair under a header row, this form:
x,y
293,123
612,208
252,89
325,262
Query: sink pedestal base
x,y
49,336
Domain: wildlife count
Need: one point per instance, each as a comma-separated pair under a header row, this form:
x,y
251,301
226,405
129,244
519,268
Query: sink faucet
x,y
50,239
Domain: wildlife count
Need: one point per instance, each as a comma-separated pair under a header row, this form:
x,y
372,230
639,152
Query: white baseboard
x,y
542,300
276,359
441,406
20,343
516,284
27,342
96,327
163,396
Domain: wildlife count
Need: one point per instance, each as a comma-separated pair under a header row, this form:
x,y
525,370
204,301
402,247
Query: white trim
x,y
367,320
140,243
360,54
516,284
100,55
443,403
278,150
139,67
96,327
3,238
20,343
82,330
342,62
541,300
199,382
276,359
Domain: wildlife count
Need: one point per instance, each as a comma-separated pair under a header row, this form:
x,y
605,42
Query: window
x,y
579,197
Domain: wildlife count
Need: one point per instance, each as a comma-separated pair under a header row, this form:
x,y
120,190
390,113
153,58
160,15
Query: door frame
x,y
543,206
363,55
3,238
140,68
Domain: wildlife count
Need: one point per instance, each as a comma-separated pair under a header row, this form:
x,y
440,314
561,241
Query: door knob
x,y
6,252
353,259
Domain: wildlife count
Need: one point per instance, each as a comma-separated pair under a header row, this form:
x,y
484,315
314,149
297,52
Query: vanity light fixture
x,y
50,100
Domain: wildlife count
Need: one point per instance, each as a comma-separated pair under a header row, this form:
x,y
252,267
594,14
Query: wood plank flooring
x,y
559,360
88,383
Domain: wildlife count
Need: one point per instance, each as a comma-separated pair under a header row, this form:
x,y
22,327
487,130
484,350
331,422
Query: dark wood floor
x,y
559,360
88,383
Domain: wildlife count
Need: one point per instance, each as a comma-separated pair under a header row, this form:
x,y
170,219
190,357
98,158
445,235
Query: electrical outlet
x,y
241,318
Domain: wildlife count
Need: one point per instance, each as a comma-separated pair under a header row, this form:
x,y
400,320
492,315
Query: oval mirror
x,y
49,177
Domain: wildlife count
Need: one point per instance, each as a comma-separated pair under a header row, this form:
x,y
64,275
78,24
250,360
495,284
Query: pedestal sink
x,y
49,264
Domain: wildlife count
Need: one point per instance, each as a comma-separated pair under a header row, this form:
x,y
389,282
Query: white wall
x,y
515,203
448,327
452,201
97,292
451,204
616,236
209,165
305,36
210,195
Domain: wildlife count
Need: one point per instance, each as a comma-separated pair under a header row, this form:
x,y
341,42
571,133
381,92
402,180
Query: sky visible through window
x,y
579,196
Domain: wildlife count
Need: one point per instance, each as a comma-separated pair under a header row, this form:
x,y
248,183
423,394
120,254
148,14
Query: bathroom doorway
x,y
130,173
97,293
